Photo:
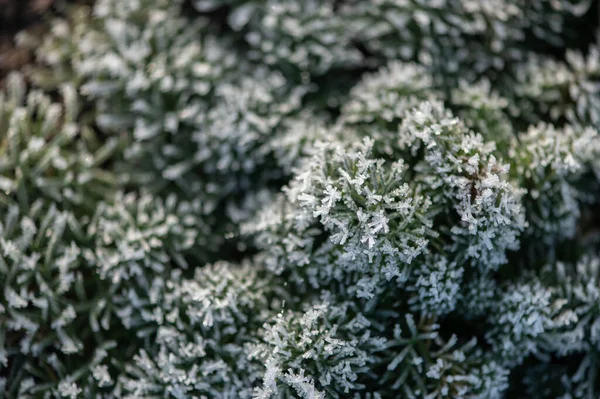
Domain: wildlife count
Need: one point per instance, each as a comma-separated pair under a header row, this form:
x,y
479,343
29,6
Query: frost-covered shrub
x,y
57,51
438,33
577,286
455,37
174,87
50,306
202,120
144,58
152,72
378,103
477,294
203,325
303,38
548,162
354,199
483,110
575,343
559,90
46,153
446,368
233,140
370,211
137,242
436,286
374,223
321,352
522,315
479,210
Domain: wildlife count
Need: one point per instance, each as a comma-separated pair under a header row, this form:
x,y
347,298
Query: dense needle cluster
x,y
315,199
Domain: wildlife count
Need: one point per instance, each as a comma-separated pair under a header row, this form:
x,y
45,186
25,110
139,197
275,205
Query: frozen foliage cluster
x,y
203,326
547,161
560,90
47,153
320,344
315,199
376,225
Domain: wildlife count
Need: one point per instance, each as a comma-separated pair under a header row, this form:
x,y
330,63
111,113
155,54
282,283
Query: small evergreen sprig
x,y
50,305
202,328
46,153
374,222
479,210
561,91
321,352
550,163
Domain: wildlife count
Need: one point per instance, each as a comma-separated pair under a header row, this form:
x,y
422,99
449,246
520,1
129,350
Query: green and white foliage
x,y
325,351
483,110
436,286
202,327
578,285
137,241
522,316
297,136
302,38
201,119
150,68
420,363
57,52
46,153
151,72
549,162
576,344
369,211
477,294
148,250
479,212
285,150
457,37
562,91
345,212
454,37
234,139
50,304
438,33
377,104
